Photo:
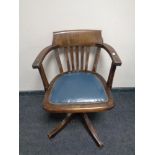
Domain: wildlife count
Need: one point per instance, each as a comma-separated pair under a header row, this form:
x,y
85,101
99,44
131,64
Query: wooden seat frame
x,y
74,42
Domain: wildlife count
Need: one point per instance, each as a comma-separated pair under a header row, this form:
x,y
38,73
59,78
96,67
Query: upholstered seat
x,y
78,87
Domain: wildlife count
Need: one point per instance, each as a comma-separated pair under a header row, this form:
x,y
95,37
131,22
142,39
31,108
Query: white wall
x,y
39,18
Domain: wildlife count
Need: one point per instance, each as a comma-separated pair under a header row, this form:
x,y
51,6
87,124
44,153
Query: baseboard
x,y
41,92
124,89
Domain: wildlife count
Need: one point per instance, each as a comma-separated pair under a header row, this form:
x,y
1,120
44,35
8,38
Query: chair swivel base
x,y
88,124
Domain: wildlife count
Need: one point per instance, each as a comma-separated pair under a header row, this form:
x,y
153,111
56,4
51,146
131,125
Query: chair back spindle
x,y
67,58
77,58
82,57
58,60
87,58
97,55
72,57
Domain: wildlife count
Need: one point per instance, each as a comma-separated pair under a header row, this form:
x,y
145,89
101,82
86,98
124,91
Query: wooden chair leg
x,y
60,126
92,130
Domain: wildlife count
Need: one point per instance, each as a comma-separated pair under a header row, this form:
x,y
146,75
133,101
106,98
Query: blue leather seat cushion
x,y
77,87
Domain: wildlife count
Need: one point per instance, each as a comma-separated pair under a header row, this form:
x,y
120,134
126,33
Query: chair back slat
x,y
87,58
58,60
67,58
77,58
96,59
82,57
72,57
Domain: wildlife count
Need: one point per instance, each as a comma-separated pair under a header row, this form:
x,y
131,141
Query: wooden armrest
x,y
111,51
38,64
38,61
116,61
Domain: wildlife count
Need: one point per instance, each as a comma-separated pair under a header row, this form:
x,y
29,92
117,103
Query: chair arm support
x,y
38,64
111,75
116,61
112,53
39,59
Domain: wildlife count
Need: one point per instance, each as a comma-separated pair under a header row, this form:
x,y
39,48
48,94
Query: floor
x,y
116,128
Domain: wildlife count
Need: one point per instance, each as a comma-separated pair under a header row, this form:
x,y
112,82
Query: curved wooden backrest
x,y
77,38
76,45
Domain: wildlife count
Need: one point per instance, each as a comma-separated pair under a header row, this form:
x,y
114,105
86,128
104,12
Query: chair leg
x,y
60,126
92,130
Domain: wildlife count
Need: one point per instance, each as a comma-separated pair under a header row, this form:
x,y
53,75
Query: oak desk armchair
x,y
79,89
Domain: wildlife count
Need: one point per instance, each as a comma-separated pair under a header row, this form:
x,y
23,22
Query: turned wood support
x,y
43,77
111,76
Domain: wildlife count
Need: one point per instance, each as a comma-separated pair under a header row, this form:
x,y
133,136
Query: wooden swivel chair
x,y
77,90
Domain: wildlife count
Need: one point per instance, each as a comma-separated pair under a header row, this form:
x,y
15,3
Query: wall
x,y
39,18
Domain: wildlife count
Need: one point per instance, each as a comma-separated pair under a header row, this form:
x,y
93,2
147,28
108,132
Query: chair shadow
x,y
58,117
55,116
